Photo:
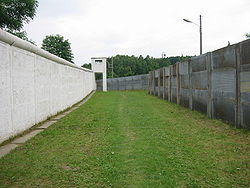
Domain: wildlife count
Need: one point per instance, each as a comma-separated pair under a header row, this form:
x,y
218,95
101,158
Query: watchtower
x,y
98,65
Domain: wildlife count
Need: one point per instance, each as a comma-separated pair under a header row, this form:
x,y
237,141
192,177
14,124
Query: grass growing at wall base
x,y
9,140
131,139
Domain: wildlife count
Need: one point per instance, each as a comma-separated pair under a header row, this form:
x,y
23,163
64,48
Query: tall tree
x,y
14,13
56,45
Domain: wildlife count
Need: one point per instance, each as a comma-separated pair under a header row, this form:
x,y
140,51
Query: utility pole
x,y
200,36
111,66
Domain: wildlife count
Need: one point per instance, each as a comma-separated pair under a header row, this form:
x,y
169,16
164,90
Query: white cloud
x,y
147,27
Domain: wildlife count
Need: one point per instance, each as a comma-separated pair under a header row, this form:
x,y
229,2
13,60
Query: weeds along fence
x,y
216,83
138,82
35,84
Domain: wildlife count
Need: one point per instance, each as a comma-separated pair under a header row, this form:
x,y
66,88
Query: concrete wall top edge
x,y
19,43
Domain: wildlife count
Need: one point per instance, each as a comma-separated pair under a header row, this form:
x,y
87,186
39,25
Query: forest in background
x,y
124,65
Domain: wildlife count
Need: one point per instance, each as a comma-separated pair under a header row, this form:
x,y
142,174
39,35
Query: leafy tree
x,y
14,13
247,35
56,45
88,66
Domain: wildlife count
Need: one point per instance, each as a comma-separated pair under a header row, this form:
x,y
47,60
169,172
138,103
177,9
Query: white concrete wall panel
x,y
35,85
55,88
23,90
5,91
42,88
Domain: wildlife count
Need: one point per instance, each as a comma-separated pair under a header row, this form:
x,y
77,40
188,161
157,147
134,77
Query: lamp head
x,y
187,21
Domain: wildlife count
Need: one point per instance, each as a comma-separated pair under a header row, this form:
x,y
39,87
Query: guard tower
x,y
98,64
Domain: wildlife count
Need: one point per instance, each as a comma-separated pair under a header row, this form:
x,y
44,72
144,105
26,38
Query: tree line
x,y
124,65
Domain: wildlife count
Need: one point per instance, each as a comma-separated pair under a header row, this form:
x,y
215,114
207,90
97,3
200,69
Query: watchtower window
x,y
98,61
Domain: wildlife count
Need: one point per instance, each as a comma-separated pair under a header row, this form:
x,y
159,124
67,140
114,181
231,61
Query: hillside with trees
x,y
125,65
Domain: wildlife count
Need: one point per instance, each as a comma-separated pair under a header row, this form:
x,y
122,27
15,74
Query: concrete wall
x,y
216,83
139,82
35,85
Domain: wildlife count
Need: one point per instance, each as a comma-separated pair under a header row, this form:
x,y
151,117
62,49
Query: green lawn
x,y
131,139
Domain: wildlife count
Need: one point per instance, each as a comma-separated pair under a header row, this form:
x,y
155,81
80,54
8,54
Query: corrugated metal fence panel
x,y
244,82
216,83
223,80
139,82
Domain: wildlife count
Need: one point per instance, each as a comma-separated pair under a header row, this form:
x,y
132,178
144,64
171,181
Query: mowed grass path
x,y
131,139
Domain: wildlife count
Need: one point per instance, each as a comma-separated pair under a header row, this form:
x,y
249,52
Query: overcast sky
x,y
140,27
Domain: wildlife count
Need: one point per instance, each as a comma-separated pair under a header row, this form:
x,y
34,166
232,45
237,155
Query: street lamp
x,y
200,31
163,55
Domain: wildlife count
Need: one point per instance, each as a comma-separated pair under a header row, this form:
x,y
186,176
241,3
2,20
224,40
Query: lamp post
x,y
200,26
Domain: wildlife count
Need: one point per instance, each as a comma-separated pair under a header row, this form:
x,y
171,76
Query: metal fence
x,y
138,82
216,83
